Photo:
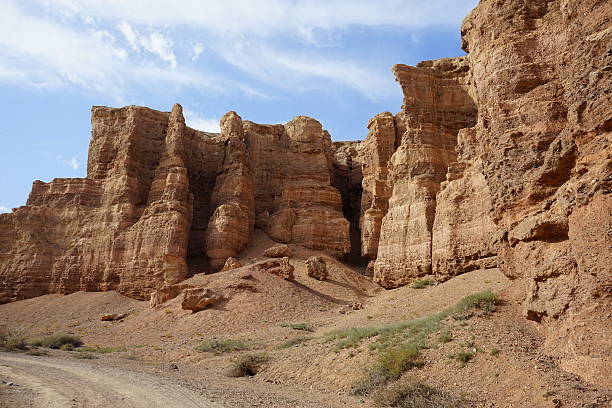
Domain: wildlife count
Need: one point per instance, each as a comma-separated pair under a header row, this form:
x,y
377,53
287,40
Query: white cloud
x,y
43,53
155,43
72,162
44,44
198,122
3,209
196,51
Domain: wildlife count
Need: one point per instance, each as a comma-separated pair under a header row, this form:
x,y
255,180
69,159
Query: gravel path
x,y
52,382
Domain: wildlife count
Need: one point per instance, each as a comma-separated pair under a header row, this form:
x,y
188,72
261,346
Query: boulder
x,y
277,251
316,268
197,299
231,263
279,267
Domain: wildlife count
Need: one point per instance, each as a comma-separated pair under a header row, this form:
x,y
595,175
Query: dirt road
x,y
54,382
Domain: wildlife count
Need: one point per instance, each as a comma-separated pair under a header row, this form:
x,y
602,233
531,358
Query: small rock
x,y
197,299
173,366
316,268
278,251
231,263
113,317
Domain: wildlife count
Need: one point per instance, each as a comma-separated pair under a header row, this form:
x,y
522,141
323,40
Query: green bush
x,y
299,326
57,341
294,342
421,283
67,347
12,341
485,302
464,356
412,393
246,365
221,346
394,362
445,337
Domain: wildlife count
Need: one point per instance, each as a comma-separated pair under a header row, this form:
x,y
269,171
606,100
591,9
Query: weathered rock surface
x,y
198,299
436,107
277,251
316,268
162,201
279,267
231,263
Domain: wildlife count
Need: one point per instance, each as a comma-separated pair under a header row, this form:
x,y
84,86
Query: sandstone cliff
x,y
162,201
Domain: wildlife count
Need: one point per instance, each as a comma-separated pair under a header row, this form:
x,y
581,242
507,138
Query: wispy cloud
x,y
195,121
3,209
110,46
73,162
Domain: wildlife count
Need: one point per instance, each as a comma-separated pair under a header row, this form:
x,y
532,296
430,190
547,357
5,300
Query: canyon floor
x,y
304,330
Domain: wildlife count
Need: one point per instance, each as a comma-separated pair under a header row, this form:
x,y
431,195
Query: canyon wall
x,y
503,158
162,201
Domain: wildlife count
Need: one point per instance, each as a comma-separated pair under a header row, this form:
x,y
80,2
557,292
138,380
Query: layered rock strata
x,y
162,201
436,106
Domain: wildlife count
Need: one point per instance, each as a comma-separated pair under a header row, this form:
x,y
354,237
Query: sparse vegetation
x,y
464,357
67,347
36,352
421,283
221,346
103,350
494,351
485,302
299,326
412,393
294,342
57,341
12,341
246,365
84,356
445,337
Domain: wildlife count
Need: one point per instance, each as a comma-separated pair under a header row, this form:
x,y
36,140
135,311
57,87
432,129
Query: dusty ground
x,y
312,373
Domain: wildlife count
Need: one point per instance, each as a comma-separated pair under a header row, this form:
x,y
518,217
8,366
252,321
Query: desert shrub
x,y
390,366
67,347
464,356
485,302
494,351
84,356
412,393
246,365
57,341
299,326
445,337
394,362
11,341
421,283
221,346
294,342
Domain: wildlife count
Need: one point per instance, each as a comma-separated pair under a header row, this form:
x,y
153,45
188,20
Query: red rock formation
x,y
543,85
162,201
436,107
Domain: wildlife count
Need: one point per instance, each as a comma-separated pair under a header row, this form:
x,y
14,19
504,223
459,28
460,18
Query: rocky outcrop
x,y
230,226
543,85
316,268
231,263
279,267
436,107
162,201
198,299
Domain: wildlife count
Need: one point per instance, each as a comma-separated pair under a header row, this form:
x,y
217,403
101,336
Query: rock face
x,y
436,107
162,201
316,268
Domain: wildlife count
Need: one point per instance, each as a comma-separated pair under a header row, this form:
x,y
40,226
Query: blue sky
x,y
269,60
